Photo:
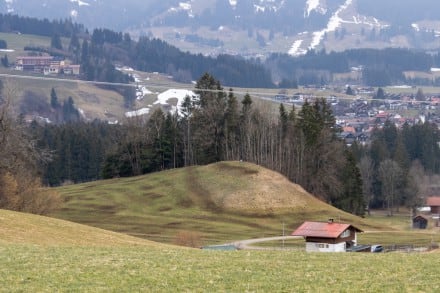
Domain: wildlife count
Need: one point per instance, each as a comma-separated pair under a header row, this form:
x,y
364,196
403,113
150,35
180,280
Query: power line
x,y
166,86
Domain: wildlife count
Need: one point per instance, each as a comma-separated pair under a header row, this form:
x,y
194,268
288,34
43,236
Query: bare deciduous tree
x,y
366,167
390,175
21,188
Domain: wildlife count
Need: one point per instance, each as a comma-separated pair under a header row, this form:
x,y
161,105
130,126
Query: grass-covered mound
x,y
29,229
222,202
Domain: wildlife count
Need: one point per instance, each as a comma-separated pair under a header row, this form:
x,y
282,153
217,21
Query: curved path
x,y
247,244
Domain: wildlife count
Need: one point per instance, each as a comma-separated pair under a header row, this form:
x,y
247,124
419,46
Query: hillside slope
x,y
222,202
21,228
254,27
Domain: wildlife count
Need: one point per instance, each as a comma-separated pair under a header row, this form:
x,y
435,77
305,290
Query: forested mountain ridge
x,y
260,26
100,51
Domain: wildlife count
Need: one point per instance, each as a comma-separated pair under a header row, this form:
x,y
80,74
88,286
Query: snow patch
x,y
185,6
80,3
140,112
141,92
74,13
310,6
401,86
296,48
81,111
9,7
233,3
416,27
435,69
7,50
314,5
259,8
334,22
178,94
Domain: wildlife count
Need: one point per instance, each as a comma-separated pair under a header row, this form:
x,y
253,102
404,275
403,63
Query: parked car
x,y
376,248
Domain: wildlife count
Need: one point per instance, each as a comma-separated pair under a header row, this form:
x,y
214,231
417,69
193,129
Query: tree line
x,y
396,165
99,51
216,125
379,67
11,23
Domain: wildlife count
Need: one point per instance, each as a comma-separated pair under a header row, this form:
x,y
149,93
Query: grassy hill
x,y
222,202
27,229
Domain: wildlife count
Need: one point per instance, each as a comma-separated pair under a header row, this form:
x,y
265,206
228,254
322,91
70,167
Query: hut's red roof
x,y
322,229
433,201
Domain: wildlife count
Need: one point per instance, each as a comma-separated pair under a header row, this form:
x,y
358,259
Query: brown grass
x,y
188,238
249,188
22,228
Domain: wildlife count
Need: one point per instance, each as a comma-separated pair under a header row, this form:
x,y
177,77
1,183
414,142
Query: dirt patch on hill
x,y
269,192
248,188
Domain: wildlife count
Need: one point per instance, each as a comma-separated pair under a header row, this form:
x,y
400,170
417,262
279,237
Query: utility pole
x,y
283,235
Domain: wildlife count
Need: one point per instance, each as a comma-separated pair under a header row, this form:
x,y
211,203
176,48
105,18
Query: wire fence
x,y
410,248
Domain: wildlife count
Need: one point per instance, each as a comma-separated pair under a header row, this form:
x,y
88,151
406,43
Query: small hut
x,y
327,236
419,222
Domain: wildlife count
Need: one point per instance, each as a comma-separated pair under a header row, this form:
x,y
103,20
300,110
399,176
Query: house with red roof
x,y
434,203
327,236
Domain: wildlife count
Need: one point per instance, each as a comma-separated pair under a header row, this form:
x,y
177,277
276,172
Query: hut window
x,y
346,233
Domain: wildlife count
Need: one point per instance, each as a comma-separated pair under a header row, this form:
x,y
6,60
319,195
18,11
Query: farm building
x,y
327,236
419,222
434,203
46,65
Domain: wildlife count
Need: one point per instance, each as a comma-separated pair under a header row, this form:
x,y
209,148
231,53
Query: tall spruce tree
x,y
351,198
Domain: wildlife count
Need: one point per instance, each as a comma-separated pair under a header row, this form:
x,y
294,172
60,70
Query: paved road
x,y
247,244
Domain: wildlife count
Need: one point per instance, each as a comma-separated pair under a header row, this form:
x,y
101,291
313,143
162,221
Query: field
x,y
40,254
32,268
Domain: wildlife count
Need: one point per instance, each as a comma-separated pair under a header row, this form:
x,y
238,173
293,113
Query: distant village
x,y
359,115
356,115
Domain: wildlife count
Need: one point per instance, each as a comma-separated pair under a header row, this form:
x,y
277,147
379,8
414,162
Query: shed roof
x,y
420,217
433,201
322,229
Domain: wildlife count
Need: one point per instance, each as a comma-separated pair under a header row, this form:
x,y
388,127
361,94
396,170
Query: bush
x,y
188,238
27,195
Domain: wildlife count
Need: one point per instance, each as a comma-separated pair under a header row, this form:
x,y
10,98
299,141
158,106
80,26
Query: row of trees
x,y
28,25
98,53
395,167
380,67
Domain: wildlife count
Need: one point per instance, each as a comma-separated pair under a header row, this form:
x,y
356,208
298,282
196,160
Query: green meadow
x,y
223,202
30,268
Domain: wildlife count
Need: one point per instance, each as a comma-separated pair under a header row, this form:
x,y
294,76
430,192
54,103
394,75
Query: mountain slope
x,y
221,202
254,27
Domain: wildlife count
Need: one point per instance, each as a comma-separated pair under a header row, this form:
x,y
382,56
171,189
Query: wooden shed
x,y
419,222
327,236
